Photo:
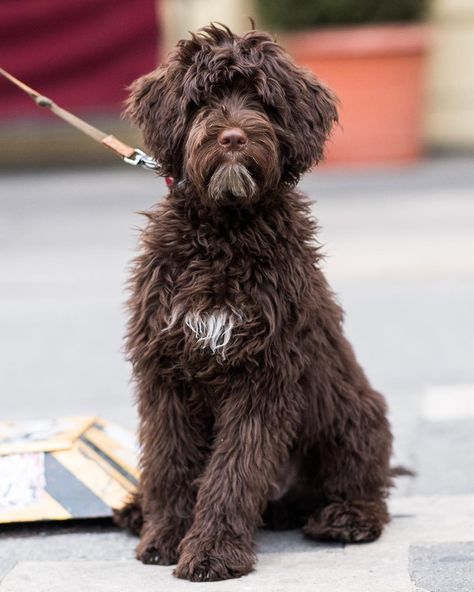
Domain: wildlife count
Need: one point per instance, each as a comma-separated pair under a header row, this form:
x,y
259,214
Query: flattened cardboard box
x,y
58,469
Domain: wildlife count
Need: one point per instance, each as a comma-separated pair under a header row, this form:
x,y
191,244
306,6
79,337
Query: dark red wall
x,y
80,53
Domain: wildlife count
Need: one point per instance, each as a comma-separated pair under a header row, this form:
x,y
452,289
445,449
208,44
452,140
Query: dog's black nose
x,y
232,139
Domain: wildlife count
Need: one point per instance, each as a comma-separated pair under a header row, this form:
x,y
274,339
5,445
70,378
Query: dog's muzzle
x,y
232,178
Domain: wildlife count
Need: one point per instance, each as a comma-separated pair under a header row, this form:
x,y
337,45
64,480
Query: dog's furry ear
x,y
156,105
314,115
305,111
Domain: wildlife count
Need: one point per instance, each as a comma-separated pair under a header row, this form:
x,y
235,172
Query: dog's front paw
x,y
154,549
201,562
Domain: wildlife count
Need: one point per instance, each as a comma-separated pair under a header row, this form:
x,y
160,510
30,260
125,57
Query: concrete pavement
x,y
416,554
399,246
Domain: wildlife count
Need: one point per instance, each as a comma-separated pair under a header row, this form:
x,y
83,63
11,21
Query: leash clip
x,y
140,158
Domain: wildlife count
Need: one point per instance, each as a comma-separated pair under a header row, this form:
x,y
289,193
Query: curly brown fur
x,y
130,516
252,405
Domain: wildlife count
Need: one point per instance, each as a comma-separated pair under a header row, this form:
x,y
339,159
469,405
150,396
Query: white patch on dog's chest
x,y
212,330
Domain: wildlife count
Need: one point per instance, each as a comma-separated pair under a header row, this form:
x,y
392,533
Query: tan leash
x,y
133,156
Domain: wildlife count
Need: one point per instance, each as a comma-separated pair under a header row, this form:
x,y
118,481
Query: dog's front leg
x,y
256,426
174,450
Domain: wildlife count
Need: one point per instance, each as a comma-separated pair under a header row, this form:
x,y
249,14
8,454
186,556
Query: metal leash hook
x,y
140,158
133,156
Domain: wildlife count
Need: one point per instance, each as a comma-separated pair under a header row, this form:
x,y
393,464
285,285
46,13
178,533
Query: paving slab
x,y
446,567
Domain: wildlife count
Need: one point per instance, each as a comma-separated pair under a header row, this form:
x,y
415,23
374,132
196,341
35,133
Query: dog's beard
x,y
233,179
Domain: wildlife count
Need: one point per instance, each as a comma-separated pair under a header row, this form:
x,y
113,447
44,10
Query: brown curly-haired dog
x,y
253,408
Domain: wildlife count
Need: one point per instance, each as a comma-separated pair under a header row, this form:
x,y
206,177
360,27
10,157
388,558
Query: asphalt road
x,y
400,256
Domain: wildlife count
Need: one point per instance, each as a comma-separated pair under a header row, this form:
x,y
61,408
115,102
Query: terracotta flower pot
x,y
378,74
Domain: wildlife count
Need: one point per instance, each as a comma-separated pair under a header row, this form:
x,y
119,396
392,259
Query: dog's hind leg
x,y
353,475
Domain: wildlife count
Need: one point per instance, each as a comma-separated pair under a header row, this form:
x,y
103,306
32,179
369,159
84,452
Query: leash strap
x,y
133,156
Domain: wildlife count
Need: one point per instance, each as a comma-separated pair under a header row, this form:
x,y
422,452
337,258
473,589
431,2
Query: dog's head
x,y
232,115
